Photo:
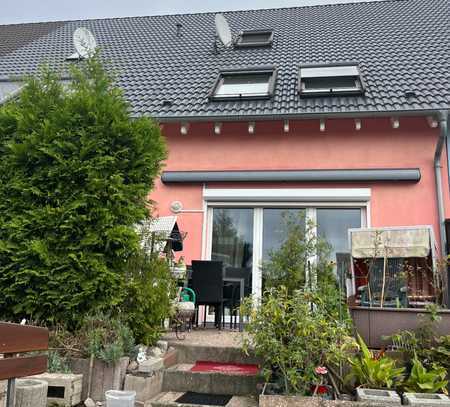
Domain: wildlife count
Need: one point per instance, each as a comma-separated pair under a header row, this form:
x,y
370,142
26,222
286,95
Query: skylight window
x,y
255,38
330,80
245,84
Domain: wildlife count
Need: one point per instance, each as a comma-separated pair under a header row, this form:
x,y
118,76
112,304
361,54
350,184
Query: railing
x,y
16,339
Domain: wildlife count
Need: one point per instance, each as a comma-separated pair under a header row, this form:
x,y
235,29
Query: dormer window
x,y
255,83
316,80
255,38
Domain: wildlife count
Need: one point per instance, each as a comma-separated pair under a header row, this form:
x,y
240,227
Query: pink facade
x,y
340,146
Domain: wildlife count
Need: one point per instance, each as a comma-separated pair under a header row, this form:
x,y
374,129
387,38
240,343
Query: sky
x,y
24,11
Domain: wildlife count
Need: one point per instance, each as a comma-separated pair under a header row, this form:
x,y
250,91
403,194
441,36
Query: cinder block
x,y
424,399
150,365
145,386
170,358
64,389
378,396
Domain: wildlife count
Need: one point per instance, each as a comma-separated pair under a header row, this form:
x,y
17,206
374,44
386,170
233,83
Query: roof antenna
x,y
223,32
179,27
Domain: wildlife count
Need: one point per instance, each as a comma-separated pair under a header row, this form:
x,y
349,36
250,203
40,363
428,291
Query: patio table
x,y
226,279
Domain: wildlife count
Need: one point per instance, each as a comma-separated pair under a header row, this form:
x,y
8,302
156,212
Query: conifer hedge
x,y
75,173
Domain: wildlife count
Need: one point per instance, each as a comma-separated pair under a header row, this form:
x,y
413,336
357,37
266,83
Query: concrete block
x,y
146,387
163,345
424,399
31,393
170,358
180,378
3,384
63,389
155,352
151,365
378,396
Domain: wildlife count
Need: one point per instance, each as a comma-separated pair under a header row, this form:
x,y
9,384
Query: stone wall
x,y
298,401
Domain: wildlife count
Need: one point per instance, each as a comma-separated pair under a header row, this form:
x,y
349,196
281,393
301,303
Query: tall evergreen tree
x,y
75,173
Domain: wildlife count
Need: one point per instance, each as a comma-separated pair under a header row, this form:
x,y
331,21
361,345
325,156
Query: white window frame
x,y
211,201
347,70
270,71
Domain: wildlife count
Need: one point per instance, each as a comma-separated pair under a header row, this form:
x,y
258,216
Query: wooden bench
x,y
17,339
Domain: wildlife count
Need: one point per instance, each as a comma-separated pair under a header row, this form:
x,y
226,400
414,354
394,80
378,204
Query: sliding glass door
x,y
232,241
243,237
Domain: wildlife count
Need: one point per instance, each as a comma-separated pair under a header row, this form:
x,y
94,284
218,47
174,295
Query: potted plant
x,y
101,348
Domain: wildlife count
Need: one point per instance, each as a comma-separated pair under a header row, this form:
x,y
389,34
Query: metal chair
x,y
207,282
232,291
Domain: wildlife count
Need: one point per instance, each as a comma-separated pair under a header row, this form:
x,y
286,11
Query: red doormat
x,y
229,368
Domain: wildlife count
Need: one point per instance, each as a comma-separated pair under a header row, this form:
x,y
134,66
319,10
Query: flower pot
x,y
323,390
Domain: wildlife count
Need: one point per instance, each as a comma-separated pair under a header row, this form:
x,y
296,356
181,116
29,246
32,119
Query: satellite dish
x,y
84,42
223,30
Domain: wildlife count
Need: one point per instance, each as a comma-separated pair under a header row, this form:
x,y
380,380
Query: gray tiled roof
x,y
400,45
14,36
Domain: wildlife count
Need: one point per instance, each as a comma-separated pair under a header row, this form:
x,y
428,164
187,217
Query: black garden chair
x,y
207,283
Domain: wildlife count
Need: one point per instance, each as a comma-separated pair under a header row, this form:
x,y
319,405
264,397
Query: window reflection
x,y
233,236
333,225
274,228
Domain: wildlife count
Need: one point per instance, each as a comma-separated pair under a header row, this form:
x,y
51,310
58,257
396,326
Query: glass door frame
x,y
258,212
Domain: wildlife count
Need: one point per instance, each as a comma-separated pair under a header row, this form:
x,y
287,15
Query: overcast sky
x,y
22,11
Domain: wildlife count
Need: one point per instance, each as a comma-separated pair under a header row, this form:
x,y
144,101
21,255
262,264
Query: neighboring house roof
x,y
400,46
15,36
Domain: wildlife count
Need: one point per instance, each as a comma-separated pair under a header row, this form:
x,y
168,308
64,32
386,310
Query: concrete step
x,y
167,399
189,353
180,378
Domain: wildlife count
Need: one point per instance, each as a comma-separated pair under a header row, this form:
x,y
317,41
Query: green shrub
x,y
149,290
291,263
57,363
108,339
422,380
293,334
374,371
75,173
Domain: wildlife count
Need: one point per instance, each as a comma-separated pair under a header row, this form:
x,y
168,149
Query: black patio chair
x,y
207,283
232,291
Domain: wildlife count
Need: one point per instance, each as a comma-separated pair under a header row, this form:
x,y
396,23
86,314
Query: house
x,y
338,112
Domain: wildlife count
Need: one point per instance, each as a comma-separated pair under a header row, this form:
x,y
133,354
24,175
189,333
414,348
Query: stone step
x,y
189,353
180,378
167,399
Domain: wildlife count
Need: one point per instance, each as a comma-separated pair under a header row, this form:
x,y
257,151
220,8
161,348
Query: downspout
x,y
439,193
